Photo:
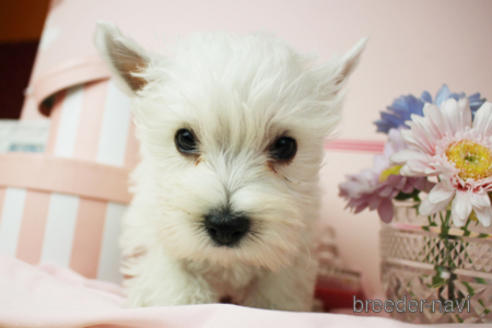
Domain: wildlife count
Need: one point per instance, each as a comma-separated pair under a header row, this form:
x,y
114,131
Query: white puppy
x,y
226,194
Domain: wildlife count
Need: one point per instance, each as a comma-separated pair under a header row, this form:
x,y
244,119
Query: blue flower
x,y
404,106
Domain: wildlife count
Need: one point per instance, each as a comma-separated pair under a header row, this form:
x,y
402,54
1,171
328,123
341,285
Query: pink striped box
x,y
65,206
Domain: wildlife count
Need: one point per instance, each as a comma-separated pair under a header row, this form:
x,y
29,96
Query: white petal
x,y
406,155
422,135
441,192
465,113
480,200
407,135
457,113
409,138
430,109
483,119
450,111
415,169
484,216
395,139
430,171
415,163
435,120
437,200
461,208
427,208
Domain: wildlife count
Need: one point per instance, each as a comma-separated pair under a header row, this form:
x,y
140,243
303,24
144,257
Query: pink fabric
x,y
49,296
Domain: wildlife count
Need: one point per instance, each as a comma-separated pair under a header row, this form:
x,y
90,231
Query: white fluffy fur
x,y
237,93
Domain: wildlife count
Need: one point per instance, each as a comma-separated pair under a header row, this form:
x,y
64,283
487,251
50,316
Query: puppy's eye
x,y
185,142
283,149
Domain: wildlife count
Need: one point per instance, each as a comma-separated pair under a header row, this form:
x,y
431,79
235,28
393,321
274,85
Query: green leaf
x,y
485,310
480,281
404,196
437,282
483,235
469,288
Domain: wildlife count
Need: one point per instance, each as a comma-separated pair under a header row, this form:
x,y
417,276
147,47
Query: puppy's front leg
x,y
161,280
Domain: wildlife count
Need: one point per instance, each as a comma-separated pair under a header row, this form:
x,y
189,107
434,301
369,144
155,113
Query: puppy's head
x,y
232,131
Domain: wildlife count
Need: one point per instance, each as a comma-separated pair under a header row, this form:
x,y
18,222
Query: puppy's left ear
x,y
348,63
126,59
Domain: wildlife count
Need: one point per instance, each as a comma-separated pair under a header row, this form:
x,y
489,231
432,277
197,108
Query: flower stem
x,y
446,264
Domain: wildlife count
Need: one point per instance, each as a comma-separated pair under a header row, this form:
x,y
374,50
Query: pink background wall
x,y
413,45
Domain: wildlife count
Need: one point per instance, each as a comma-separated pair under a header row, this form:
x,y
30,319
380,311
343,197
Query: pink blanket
x,y
49,296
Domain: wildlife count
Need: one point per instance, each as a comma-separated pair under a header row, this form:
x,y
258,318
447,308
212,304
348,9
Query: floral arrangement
x,y
441,147
438,157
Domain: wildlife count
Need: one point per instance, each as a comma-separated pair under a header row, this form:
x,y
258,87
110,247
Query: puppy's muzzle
x,y
225,227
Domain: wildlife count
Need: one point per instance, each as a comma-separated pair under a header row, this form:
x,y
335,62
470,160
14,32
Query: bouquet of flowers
x,y
443,147
438,156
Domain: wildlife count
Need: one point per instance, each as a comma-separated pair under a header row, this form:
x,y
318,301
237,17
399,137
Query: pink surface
x,y
52,297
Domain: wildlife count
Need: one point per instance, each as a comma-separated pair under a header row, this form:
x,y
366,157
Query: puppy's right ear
x,y
125,57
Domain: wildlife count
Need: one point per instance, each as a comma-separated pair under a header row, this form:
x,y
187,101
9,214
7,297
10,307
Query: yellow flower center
x,y
473,160
392,170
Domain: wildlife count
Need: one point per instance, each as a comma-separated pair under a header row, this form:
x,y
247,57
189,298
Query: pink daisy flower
x,y
376,187
446,143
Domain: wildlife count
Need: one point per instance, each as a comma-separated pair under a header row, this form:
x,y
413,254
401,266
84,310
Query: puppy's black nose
x,y
225,227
